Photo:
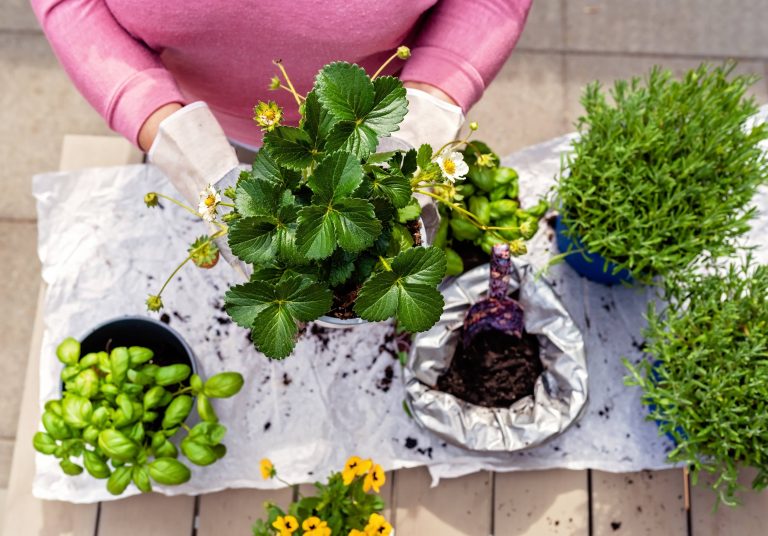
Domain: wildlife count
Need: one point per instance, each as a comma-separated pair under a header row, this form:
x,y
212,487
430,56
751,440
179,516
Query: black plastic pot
x,y
167,345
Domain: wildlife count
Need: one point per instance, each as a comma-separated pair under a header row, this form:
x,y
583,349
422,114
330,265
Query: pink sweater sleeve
x,y
120,77
463,45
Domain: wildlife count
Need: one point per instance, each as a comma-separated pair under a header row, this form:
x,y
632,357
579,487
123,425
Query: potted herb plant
x,y
661,176
329,227
123,409
706,380
343,505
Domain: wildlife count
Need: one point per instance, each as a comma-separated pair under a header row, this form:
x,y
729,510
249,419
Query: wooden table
x,y
535,503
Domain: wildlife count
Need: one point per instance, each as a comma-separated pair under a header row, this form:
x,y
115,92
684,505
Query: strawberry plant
x,y
663,176
326,225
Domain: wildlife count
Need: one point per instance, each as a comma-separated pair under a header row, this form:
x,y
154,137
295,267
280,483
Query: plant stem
x,y
383,66
291,92
191,254
292,89
179,203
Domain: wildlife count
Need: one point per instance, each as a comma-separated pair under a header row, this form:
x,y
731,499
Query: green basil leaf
x,y
177,411
77,411
89,360
205,409
56,426
149,416
154,397
136,433
100,417
70,468
166,450
169,471
69,372
139,355
141,478
224,385
198,453
91,434
104,364
207,433
44,443
126,406
117,445
87,383
119,480
139,378
196,382
172,374
54,406
68,351
95,465
119,362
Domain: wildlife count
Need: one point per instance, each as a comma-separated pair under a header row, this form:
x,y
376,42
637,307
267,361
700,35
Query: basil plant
x,y
120,416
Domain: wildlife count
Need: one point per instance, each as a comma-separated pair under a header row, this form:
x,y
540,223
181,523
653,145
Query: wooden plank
x,y
235,511
80,152
457,507
149,515
639,503
25,514
749,519
541,503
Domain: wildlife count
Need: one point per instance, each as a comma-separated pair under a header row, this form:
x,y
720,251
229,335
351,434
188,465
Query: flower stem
x,y
281,86
191,254
473,219
179,203
292,89
383,66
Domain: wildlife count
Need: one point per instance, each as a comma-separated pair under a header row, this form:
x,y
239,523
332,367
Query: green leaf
x,y
224,384
290,147
198,453
177,411
172,374
140,476
139,355
154,397
68,351
70,468
355,138
117,445
265,167
253,240
345,90
44,443
317,122
258,197
210,434
274,310
205,409
87,383
336,177
408,291
355,224
77,411
409,212
424,156
315,233
95,465
393,187
119,360
169,472
390,105
119,480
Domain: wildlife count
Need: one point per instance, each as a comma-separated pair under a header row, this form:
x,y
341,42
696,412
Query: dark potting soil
x,y
494,371
344,296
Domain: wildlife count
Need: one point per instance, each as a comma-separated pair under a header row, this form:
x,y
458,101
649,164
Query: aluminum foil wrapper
x,y
560,393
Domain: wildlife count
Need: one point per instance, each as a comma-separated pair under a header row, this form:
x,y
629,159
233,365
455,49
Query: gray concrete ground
x,y
566,44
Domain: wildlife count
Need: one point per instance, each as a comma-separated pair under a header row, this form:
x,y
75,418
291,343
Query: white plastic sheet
x,y
341,392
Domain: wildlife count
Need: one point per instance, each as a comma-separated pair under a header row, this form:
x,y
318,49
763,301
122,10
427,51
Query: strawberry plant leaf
x,y
406,291
265,167
393,187
317,122
352,137
345,90
315,235
424,156
257,197
273,311
253,240
389,107
290,147
355,224
336,176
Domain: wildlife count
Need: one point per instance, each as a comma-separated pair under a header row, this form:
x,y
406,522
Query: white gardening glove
x,y
429,120
192,150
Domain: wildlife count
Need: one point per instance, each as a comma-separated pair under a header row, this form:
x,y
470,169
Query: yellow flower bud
x,y
154,303
403,52
518,247
473,125
151,199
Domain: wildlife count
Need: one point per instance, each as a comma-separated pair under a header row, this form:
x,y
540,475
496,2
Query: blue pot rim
x,y
592,266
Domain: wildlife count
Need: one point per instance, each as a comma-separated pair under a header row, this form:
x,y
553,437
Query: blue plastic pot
x,y
652,407
590,265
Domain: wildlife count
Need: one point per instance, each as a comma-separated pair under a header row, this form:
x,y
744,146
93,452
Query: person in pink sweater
x,y
140,63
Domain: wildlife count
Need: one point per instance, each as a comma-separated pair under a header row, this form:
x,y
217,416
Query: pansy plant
x,y
327,225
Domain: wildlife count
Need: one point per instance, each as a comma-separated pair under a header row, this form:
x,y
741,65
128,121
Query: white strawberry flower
x,y
452,165
209,200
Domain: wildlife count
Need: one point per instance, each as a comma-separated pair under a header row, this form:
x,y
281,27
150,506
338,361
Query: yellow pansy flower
x,y
355,532
355,466
267,469
287,525
314,526
374,479
377,526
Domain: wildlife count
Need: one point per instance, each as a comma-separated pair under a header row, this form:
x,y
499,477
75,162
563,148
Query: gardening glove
x,y
192,151
429,120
